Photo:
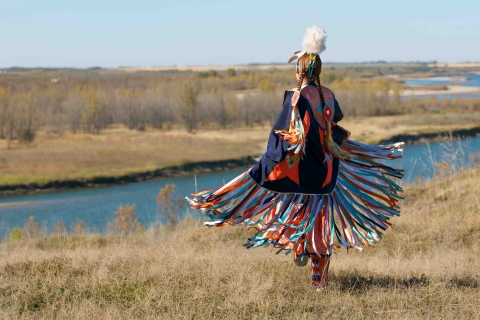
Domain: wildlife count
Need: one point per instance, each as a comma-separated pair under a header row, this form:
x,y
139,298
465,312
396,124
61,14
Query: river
x,y
473,80
95,207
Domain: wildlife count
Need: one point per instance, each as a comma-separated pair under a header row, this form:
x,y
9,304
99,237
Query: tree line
x,y
90,101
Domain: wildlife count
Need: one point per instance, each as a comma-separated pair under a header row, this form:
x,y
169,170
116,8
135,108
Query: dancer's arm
x,y
277,147
338,112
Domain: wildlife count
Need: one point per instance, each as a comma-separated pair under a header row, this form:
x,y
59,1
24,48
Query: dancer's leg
x,y
320,265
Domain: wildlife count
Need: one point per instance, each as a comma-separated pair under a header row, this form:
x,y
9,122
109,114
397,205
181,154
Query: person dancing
x,y
314,190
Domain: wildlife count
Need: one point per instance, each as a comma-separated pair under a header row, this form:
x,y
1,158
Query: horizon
x,y
109,34
252,64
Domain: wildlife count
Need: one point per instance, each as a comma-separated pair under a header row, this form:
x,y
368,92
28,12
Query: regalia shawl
x,y
314,190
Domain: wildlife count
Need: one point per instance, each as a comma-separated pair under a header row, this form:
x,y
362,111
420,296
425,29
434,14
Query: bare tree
x,y
4,96
189,103
25,115
168,207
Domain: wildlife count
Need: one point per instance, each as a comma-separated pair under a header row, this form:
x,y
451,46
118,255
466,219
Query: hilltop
x,y
426,266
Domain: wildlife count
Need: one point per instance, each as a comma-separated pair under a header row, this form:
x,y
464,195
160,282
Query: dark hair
x,y
302,64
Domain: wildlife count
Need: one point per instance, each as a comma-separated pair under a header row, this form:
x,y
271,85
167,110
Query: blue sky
x,y
106,33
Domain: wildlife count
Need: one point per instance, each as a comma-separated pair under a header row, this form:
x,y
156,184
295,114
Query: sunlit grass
x,y
424,267
120,152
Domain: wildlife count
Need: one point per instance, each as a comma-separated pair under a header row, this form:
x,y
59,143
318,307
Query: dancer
x,y
314,190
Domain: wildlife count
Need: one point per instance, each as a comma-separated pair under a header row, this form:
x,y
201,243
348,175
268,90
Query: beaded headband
x,y
311,64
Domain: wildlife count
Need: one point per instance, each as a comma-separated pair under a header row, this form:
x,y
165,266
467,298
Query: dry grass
x,y
372,130
426,266
119,151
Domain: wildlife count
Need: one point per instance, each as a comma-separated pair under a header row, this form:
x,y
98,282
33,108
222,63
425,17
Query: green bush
x,y
230,73
16,234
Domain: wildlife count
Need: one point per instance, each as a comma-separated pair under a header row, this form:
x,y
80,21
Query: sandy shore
x,y
15,204
182,170
445,78
451,90
455,65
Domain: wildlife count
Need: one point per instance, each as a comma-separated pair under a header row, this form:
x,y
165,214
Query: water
x,y
419,161
95,207
473,81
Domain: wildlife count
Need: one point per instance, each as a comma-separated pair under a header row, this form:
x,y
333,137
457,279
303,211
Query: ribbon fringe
x,y
356,211
295,134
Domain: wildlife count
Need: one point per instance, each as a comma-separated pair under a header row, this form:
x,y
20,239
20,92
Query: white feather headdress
x,y
313,42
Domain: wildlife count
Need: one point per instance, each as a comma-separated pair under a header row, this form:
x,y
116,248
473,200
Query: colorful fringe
x,y
320,265
296,131
356,212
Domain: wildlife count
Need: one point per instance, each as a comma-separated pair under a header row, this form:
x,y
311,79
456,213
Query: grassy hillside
x,y
426,266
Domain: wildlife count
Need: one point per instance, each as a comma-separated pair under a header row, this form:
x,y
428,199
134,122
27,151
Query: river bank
x,y
451,89
201,167
433,137
183,170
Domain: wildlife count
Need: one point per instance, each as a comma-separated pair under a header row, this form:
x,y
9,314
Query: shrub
x,y
125,220
16,234
60,228
139,228
79,228
266,85
33,229
168,207
230,73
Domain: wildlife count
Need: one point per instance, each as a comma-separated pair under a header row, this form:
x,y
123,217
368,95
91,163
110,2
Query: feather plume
x,y
314,40
297,55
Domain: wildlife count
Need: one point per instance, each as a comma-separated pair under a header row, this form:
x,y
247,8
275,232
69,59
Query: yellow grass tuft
x,y
425,267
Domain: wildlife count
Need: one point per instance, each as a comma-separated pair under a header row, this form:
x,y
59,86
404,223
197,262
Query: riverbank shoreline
x,y
452,89
441,78
200,168
432,137
183,170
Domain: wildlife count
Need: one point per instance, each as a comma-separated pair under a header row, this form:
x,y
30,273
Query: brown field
x,y
425,267
116,152
119,151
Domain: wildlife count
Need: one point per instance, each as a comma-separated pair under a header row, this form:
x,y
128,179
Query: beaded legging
x,y
320,266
